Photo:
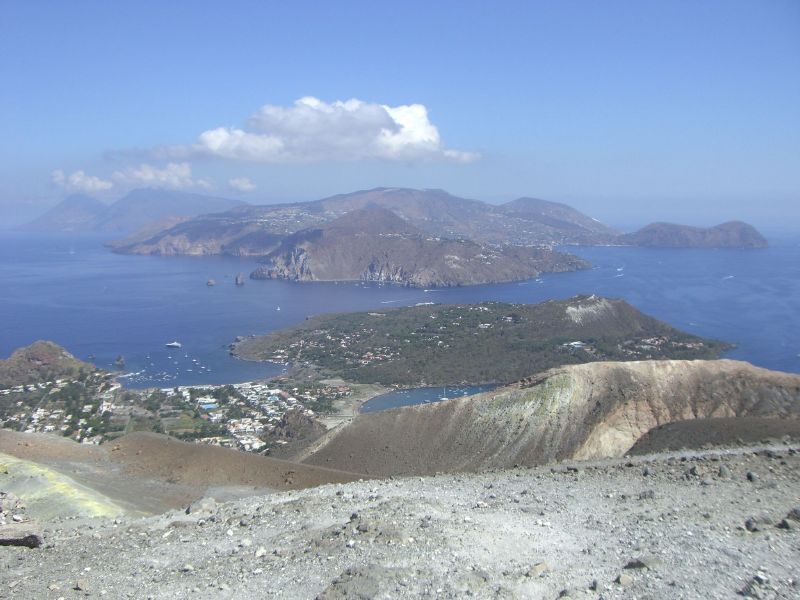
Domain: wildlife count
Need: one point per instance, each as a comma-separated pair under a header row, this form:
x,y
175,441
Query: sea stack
x,y
240,279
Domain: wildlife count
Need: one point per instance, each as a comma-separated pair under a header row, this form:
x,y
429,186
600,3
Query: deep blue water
x,y
420,396
75,292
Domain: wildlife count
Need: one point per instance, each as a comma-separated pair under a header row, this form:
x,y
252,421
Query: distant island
x,y
148,208
474,343
733,234
259,230
298,241
374,244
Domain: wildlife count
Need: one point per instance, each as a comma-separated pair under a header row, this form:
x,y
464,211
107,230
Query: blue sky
x,y
631,111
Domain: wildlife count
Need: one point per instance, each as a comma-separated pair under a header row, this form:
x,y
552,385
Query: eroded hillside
x,y
580,411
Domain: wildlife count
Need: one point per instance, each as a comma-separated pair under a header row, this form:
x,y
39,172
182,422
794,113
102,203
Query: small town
x,y
95,409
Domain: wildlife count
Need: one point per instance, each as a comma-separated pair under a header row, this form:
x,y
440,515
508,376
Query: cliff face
x,y
374,244
734,234
583,411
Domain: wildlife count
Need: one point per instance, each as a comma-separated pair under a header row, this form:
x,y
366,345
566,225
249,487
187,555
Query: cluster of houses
x,y
253,411
58,384
48,414
243,416
321,340
658,342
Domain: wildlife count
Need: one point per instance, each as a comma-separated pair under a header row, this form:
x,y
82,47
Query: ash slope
x,y
374,244
679,525
580,412
153,473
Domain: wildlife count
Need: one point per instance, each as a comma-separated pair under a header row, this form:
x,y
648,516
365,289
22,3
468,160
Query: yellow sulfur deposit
x,y
48,493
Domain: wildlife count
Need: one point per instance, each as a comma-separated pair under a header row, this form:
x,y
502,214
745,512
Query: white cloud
x,y
80,182
241,184
173,175
313,130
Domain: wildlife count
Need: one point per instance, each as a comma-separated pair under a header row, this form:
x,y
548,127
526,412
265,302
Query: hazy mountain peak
x,y
76,212
137,209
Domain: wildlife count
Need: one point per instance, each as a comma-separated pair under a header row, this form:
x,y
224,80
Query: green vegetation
x,y
488,342
42,361
203,430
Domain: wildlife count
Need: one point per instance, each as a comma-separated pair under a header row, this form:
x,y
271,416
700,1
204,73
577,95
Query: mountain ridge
x,y
433,211
257,230
579,412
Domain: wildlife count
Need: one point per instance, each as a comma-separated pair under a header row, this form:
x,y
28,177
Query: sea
x,y
101,305
421,395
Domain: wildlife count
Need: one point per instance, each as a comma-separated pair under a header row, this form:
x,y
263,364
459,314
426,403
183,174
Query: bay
x,y
423,395
75,292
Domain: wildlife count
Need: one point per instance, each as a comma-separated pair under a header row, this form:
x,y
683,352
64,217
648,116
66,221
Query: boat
x,y
173,345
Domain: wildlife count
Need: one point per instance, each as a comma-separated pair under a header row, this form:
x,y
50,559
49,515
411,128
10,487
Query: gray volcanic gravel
x,y
720,524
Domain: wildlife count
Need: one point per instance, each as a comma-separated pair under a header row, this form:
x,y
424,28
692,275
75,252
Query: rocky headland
x,y
374,244
39,362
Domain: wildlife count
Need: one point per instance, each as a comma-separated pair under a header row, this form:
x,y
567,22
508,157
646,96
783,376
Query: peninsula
x,y
374,244
41,361
489,342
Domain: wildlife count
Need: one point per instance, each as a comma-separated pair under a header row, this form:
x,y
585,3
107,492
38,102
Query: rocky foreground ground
x,y
720,524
